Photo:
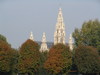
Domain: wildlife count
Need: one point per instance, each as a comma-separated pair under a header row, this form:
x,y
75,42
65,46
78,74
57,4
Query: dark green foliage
x,y
14,62
42,70
87,59
3,38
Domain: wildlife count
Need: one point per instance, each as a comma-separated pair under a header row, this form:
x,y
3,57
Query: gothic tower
x,y
31,36
71,42
43,45
59,35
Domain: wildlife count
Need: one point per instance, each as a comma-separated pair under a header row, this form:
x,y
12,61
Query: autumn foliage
x,y
5,57
29,57
59,59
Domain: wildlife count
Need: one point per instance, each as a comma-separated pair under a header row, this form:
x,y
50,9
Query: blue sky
x,y
19,17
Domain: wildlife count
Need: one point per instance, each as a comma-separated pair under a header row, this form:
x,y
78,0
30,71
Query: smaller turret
x,y
71,42
44,44
31,36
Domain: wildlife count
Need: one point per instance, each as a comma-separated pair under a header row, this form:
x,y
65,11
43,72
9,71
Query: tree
x,y
3,38
87,59
43,58
6,57
59,59
89,34
14,61
29,58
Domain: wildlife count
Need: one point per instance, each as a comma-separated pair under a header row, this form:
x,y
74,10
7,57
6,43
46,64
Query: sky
x,y
19,17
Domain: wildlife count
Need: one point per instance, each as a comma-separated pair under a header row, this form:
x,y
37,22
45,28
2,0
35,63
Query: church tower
x,y
71,42
44,44
31,36
59,34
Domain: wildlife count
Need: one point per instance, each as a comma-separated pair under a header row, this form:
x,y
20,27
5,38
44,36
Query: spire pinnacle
x,y
60,9
31,36
44,37
71,42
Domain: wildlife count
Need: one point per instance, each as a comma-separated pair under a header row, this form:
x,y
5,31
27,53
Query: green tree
x,y
43,58
3,38
29,58
89,34
87,59
59,60
14,62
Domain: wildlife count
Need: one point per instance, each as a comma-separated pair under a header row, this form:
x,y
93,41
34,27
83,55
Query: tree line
x,y
60,60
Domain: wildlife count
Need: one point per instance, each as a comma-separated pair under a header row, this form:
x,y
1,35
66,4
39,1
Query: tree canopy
x,y
59,59
7,58
87,59
3,38
89,34
29,57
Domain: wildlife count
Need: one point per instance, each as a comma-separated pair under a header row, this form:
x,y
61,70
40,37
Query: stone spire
x,y
71,42
31,36
59,35
44,44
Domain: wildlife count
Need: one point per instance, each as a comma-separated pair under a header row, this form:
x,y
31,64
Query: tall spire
x,y
44,45
31,36
59,35
71,42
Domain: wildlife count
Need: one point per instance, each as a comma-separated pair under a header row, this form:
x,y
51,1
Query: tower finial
x,y
71,42
60,9
44,37
31,36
